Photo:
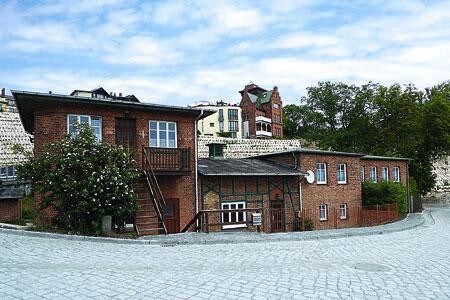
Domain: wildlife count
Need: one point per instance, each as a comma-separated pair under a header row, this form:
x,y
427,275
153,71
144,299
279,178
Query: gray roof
x,y
311,151
374,157
26,100
244,167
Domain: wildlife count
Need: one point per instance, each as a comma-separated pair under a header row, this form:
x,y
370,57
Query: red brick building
x,y
162,136
291,187
262,112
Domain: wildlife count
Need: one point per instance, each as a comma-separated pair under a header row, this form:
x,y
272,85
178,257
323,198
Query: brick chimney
x,y
3,92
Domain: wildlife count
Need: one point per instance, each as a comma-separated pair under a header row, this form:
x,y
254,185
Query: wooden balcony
x,y
166,161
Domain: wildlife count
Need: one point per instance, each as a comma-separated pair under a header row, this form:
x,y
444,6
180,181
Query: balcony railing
x,y
166,160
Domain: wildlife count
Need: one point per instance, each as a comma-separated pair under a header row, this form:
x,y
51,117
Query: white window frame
x,y
343,209
158,142
362,175
345,173
374,169
396,174
4,172
231,225
385,171
99,138
317,172
323,208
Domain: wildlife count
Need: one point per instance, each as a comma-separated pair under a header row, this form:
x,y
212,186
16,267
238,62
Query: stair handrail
x,y
194,220
159,202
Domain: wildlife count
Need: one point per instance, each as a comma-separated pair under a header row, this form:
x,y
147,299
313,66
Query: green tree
x,y
82,180
378,120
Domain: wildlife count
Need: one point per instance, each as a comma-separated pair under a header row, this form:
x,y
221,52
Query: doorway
x,y
172,215
276,216
126,133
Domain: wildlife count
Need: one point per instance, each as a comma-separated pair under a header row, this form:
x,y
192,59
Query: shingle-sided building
x,y
14,141
163,138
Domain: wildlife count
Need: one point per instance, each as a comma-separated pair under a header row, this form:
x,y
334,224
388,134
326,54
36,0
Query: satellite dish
x,y
309,176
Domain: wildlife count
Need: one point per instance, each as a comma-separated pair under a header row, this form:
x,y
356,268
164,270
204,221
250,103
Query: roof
x,y
11,134
374,157
311,151
244,167
26,102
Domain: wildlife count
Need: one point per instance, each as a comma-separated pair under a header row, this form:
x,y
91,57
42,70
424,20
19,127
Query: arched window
x,y
264,127
269,128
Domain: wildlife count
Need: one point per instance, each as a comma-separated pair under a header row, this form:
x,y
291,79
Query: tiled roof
x,y
12,133
244,167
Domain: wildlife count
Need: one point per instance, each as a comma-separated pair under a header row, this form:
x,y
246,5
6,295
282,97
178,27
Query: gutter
x,y
196,160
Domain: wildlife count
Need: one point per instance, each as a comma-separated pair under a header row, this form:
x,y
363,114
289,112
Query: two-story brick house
x,y
163,139
262,112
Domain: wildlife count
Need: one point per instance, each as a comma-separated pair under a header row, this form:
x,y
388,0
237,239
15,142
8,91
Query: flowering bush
x,y
83,180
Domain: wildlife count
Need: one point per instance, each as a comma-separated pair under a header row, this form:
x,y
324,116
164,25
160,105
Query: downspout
x,y
196,160
408,192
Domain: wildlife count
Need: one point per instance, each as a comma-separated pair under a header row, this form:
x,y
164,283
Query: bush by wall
x,y
384,192
82,180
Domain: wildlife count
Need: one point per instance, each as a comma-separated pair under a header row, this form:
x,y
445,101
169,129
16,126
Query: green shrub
x,y
309,225
384,192
82,180
28,208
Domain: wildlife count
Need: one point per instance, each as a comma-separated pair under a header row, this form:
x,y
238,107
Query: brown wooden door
x,y
276,216
126,132
172,216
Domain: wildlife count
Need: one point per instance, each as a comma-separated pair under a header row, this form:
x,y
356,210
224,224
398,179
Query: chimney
x,y
50,92
120,94
3,92
275,88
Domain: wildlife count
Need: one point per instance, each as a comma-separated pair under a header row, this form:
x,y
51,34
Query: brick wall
x,y
332,194
51,125
9,210
402,164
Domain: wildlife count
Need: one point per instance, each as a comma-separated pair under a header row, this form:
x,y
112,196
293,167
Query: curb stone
x,y
410,222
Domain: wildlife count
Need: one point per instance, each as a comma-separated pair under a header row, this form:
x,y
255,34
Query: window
x,y
276,106
343,211
211,124
93,121
361,174
163,134
232,114
323,212
8,172
396,173
342,173
373,174
321,173
244,116
221,126
221,114
233,126
231,218
385,173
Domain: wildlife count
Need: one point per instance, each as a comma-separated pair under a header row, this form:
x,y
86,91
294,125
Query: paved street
x,y
409,264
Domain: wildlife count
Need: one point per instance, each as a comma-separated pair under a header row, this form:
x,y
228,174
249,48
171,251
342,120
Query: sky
x,y
181,52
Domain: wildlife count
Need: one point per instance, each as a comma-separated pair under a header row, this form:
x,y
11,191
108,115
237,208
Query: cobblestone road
x,y
403,265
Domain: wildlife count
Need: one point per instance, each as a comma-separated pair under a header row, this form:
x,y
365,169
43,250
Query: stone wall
x,y
239,148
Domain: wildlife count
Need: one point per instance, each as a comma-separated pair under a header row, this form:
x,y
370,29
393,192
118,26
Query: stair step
x,y
142,224
146,216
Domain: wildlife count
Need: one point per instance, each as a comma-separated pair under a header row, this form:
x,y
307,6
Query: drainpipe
x,y
196,161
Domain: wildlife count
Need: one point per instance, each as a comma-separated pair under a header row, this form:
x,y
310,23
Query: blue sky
x,y
180,52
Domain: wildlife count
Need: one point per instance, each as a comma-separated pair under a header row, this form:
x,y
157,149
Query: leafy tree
x,y
82,180
378,120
